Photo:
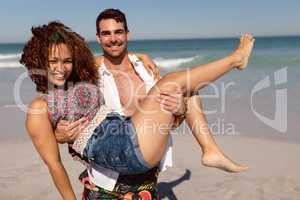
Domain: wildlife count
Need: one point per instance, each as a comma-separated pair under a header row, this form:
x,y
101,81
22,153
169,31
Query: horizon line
x,y
181,38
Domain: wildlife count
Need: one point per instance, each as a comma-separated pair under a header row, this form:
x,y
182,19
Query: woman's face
x,y
60,64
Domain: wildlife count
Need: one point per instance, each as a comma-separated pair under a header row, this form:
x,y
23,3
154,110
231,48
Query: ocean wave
x,y
10,60
10,56
172,62
12,64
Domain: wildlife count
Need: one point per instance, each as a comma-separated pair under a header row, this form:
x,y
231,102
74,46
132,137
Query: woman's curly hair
x,y
36,52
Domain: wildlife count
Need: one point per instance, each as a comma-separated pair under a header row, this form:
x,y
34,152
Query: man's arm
x,y
42,136
67,132
172,102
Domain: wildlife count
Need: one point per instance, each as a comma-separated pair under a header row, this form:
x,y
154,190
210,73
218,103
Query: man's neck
x,y
117,63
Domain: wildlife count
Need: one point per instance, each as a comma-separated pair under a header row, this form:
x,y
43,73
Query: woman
x,y
122,144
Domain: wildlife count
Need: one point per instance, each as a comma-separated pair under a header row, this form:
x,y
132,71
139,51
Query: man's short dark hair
x,y
111,13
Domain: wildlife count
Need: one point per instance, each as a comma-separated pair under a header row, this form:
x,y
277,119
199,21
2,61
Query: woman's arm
x,y
42,136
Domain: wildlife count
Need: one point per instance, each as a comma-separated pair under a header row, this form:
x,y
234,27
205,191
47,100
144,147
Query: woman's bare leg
x,y
212,156
152,124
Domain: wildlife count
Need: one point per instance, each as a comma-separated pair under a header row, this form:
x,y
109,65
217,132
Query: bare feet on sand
x,y
218,160
243,51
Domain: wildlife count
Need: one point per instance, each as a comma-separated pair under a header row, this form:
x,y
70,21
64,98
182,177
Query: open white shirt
x,y
106,178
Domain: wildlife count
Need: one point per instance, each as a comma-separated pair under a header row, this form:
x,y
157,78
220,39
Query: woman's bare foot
x,y
218,160
243,51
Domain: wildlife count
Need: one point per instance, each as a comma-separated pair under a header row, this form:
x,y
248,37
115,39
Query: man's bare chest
x,y
130,86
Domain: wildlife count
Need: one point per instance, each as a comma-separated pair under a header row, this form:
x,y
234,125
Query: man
x,y
116,70
124,82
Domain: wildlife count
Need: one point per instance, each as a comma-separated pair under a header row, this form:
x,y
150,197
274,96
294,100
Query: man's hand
x,y
172,102
68,131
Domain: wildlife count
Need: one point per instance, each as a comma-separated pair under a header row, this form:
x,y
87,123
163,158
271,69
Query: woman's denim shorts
x,y
114,146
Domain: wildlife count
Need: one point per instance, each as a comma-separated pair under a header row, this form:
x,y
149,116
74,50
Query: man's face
x,y
112,37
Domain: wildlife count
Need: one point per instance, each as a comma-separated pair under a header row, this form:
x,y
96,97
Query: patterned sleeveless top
x,y
81,100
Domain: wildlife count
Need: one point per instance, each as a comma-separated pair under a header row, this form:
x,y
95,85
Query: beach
x,y
253,114
273,172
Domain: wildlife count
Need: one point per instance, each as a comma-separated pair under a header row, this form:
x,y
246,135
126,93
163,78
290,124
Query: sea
x,y
261,101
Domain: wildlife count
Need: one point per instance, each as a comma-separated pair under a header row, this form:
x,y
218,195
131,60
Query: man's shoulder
x,y
149,65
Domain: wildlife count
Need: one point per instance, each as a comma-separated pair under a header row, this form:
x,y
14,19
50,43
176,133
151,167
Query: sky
x,y
155,19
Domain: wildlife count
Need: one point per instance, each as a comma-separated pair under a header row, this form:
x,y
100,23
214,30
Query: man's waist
x,y
152,174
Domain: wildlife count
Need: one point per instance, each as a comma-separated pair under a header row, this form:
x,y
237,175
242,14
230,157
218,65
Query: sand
x,y
273,172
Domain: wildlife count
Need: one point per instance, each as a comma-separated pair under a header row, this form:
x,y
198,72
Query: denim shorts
x,y
114,146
